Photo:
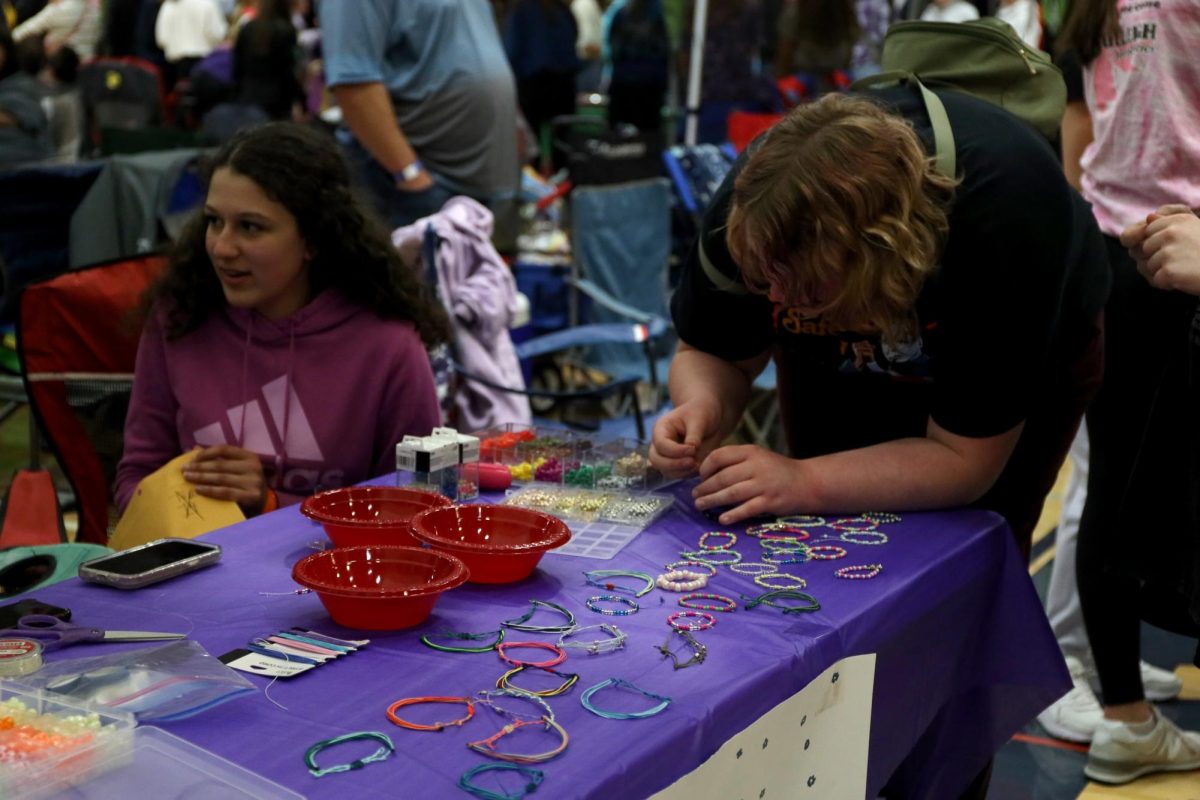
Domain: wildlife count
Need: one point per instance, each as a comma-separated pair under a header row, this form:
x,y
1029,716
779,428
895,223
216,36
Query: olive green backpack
x,y
985,58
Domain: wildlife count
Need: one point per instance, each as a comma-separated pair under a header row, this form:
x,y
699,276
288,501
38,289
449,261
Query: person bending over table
x,y
936,340
287,340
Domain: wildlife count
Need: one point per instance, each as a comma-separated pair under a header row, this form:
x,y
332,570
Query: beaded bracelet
x,y
621,683
437,726
709,568
559,656
699,651
864,537
534,776
859,572
770,598
726,603
706,620
469,637
752,568
614,641
880,516
801,520
786,557
569,680
853,524
765,581
768,528
593,578
487,746
704,537
632,605
484,698
712,557
681,580
783,544
826,552
386,748
518,624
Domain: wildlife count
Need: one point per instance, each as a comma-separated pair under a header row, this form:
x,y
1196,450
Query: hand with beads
x,y
753,480
683,438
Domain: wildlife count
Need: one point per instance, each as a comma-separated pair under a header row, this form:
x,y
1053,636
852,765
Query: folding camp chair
x,y
78,346
125,108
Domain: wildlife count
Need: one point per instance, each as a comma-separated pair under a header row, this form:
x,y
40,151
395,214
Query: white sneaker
x,y
1118,755
1158,684
1076,714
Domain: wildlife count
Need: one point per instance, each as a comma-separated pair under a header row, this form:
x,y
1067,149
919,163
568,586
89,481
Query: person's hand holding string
x,y
683,437
226,472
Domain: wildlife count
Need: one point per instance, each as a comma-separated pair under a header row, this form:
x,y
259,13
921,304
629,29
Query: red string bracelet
x,y
559,657
437,726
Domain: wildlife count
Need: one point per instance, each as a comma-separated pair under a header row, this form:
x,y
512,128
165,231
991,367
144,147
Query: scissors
x,y
53,632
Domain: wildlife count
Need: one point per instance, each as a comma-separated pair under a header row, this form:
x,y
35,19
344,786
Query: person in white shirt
x,y
66,23
187,31
587,43
1025,17
949,11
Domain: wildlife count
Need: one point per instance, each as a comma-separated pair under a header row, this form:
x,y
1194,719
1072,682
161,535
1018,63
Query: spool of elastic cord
x,y
19,657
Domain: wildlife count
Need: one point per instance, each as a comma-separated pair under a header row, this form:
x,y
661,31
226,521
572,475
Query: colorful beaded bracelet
x,y
681,580
880,516
470,637
826,552
777,542
594,578
787,557
559,655
859,572
753,568
386,748
727,604
706,620
614,641
704,537
519,624
864,537
612,612
620,683
699,651
715,558
487,746
772,598
437,726
853,524
534,776
709,568
569,680
801,520
765,581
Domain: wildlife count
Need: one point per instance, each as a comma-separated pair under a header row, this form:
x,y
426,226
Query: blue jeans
x,y
395,206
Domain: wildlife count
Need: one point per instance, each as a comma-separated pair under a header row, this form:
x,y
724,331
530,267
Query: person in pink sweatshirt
x,y
287,342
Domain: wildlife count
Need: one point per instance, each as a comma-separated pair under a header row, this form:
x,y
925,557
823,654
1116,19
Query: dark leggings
x,y
1141,326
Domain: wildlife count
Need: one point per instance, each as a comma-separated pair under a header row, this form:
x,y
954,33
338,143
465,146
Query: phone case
x,y
93,571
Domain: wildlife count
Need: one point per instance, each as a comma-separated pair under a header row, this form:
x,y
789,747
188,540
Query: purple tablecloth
x,y
965,657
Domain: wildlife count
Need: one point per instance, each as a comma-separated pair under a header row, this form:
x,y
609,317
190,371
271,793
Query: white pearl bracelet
x,y
681,580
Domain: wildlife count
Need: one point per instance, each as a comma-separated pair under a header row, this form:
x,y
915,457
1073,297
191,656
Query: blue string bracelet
x,y
595,577
386,748
621,683
497,635
772,599
533,776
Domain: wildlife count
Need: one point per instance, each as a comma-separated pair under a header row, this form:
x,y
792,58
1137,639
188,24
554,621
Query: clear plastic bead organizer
x,y
601,522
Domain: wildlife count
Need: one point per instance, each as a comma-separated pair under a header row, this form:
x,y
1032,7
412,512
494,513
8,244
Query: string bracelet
x,y
595,577
881,517
709,569
859,572
826,552
730,540
681,580
787,557
631,606
485,698
621,683
569,680
386,748
801,520
784,544
715,558
773,580
487,746
613,641
520,623
437,726
559,655
533,776
679,620
427,640
853,524
772,599
864,537
720,602
753,568
699,651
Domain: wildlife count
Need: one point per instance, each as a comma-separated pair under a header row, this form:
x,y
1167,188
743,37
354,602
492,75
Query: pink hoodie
x,y
337,384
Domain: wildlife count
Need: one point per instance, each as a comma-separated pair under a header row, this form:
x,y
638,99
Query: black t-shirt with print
x,y
1022,279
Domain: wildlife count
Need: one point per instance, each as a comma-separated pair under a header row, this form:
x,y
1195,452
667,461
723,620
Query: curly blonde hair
x,y
841,209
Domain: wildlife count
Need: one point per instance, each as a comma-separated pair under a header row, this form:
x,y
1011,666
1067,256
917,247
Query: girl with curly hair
x,y
287,341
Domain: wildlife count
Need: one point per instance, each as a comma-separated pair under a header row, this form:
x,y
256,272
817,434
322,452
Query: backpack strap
x,y
943,135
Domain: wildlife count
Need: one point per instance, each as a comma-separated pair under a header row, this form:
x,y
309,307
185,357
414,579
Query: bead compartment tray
x,y
601,522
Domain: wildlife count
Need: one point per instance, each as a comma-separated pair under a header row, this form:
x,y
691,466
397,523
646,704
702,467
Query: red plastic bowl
x,y
379,588
378,515
499,544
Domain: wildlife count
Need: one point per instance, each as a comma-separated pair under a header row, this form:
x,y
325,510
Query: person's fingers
x,y
754,507
216,492
1133,235
1172,209
669,439
723,457
672,467
737,488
